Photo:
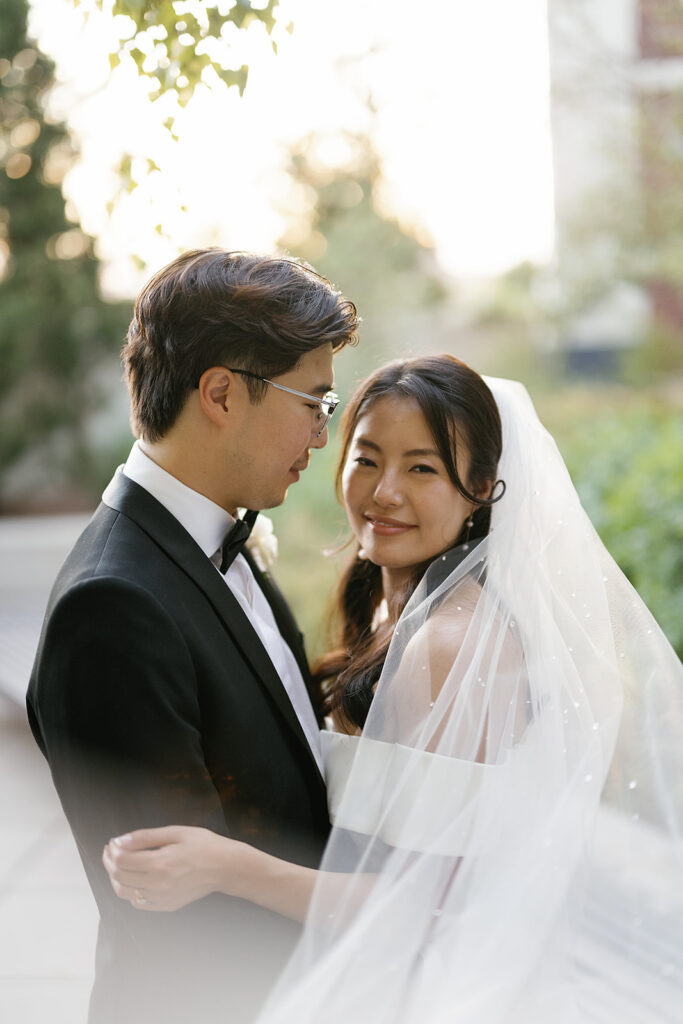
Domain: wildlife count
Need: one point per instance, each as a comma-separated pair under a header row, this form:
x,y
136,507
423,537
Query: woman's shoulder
x,y
445,629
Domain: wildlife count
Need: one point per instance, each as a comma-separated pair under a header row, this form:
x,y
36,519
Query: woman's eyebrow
x,y
365,442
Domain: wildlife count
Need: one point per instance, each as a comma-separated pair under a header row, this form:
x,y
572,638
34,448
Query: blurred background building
x,y
617,87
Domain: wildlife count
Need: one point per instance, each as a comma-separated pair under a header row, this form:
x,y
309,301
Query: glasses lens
x,y
329,403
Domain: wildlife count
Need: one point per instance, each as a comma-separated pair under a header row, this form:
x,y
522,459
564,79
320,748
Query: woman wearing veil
x,y
505,765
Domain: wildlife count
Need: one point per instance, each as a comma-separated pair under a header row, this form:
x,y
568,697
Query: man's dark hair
x,y
210,307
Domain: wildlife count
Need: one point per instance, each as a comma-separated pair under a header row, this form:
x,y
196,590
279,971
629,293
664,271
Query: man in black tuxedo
x,y
171,684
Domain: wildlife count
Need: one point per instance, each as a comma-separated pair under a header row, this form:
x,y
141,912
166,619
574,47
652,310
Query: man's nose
x,y
319,440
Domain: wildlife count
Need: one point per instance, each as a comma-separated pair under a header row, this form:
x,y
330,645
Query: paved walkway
x,y
48,919
32,549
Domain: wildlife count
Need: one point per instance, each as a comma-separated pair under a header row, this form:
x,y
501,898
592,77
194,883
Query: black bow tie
x,y
236,538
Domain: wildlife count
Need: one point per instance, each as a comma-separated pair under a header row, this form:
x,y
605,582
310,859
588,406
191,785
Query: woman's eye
x,y
363,460
422,467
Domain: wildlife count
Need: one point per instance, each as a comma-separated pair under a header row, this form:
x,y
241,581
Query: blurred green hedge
x,y
624,451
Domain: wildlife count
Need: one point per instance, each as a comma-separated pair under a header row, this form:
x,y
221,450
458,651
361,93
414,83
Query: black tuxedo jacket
x,y
155,702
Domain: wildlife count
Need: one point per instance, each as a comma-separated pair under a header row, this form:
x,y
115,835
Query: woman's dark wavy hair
x,y
210,307
459,410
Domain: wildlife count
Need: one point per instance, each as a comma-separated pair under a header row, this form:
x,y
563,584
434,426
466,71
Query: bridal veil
x,y
508,844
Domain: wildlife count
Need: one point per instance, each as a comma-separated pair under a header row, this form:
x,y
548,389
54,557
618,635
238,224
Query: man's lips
x,y
385,526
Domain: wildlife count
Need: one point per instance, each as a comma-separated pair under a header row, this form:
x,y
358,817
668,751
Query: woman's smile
x,y
401,503
386,527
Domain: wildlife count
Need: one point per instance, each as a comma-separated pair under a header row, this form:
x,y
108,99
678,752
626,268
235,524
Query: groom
x,y
171,684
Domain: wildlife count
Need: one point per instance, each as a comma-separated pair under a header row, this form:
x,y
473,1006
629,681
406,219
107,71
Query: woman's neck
x,y
394,583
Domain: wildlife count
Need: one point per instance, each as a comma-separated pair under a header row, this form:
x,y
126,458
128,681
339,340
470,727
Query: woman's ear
x,y
215,387
482,490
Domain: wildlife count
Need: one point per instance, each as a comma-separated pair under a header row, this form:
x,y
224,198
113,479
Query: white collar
x,y
205,521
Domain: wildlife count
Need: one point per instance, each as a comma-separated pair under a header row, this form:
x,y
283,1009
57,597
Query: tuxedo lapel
x,y
133,501
287,625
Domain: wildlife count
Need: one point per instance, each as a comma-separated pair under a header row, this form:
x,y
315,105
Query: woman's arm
x,y
167,868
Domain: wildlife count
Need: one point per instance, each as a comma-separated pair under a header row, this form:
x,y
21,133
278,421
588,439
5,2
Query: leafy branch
x,y
175,43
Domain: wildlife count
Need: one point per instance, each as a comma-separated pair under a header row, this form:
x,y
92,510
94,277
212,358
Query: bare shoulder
x,y
447,626
444,634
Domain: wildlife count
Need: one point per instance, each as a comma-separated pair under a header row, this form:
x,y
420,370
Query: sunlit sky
x,y
461,125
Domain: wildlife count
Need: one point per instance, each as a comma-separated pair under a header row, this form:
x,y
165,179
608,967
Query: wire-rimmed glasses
x,y
326,405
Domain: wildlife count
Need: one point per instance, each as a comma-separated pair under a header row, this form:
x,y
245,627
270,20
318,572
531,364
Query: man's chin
x,y
273,501
274,498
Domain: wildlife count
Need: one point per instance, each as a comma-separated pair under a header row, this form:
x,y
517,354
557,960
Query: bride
x,y
504,758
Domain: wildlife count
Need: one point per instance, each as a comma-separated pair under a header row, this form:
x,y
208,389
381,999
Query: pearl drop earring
x,y
469,523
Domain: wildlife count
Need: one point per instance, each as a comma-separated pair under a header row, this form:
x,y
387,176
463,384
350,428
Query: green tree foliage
x,y
176,45
391,276
54,327
173,42
624,454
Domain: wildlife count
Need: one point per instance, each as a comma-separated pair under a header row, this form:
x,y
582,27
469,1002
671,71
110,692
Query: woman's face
x,y
401,503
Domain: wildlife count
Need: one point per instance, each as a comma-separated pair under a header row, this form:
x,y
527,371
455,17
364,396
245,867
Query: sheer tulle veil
x,y
508,847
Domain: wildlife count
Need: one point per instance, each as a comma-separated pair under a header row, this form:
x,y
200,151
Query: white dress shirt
x,y
207,524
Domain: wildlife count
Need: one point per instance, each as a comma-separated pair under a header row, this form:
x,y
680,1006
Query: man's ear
x,y
215,391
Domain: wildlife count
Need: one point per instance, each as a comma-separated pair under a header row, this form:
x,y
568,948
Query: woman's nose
x,y
387,492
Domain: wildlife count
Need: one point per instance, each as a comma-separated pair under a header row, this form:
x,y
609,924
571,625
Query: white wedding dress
x,y
507,841
444,790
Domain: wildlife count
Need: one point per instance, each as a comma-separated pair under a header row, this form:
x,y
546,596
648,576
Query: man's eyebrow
x,y
321,389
